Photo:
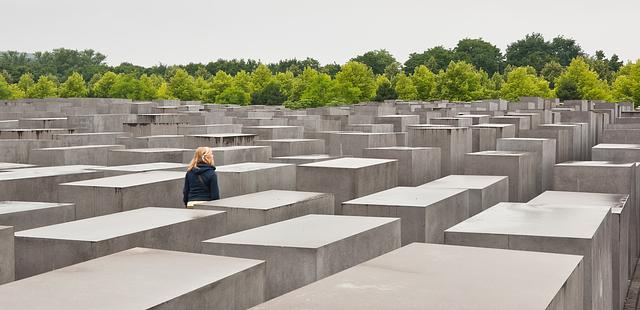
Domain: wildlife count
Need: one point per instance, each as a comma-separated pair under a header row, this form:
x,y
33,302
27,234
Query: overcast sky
x,y
183,31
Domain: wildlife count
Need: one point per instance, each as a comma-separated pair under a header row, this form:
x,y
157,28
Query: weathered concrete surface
x,y
267,207
143,279
453,142
73,155
520,167
219,140
143,156
484,136
51,247
137,168
545,152
246,178
228,155
617,153
354,143
302,159
416,165
425,212
321,246
7,258
485,191
24,215
431,276
293,147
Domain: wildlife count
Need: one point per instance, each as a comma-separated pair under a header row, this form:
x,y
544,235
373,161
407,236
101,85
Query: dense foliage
x,y
474,69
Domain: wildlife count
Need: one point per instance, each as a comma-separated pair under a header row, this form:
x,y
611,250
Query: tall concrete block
x,y
485,191
520,122
275,132
399,122
246,178
432,276
484,136
7,257
198,282
24,215
416,165
425,212
453,142
565,230
323,245
347,178
545,152
520,167
47,248
354,143
19,150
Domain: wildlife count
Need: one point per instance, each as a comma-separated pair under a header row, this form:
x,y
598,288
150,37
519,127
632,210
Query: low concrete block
x,y
484,136
354,143
275,132
73,155
219,140
24,215
143,156
246,178
228,155
128,169
485,191
293,147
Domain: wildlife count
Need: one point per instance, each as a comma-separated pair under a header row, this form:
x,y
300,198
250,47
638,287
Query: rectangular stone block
x,y
246,178
372,128
143,156
128,169
425,212
520,167
209,129
554,229
399,122
160,141
292,147
18,151
48,248
560,136
32,134
124,192
73,155
545,152
354,143
476,118
302,159
485,191
575,138
11,166
621,135
520,122
452,121
617,153
322,245
275,132
416,165
228,155
453,142
347,178
197,282
7,256
24,215
92,138
267,207
219,140
432,276
484,136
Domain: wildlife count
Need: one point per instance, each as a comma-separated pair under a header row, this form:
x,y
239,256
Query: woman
x,y
201,181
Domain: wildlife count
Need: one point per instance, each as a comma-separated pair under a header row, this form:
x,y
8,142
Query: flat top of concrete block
x,y
356,133
159,137
595,164
271,127
130,180
309,231
521,219
526,139
38,172
406,197
82,134
290,140
557,125
473,115
403,148
312,156
509,116
498,153
110,226
616,146
152,150
43,118
80,147
464,181
138,278
5,166
244,167
398,116
433,276
264,200
490,125
144,167
436,127
616,201
7,207
239,147
222,135
349,163
210,125
36,129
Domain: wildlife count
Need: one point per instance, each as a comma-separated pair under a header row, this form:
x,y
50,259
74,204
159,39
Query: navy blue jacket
x,y
195,190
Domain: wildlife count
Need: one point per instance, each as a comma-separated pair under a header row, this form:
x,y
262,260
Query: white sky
x,y
183,31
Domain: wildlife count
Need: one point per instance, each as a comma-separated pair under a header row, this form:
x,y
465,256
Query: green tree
x,y
568,90
551,71
385,90
356,82
45,88
405,88
523,82
243,80
126,86
424,81
378,60
330,69
217,84
16,92
565,50
5,90
479,53
586,80
234,95
102,88
532,51
148,87
270,94
163,92
260,78
25,82
74,87
460,82
182,86
301,82
436,59
626,87
320,91
286,81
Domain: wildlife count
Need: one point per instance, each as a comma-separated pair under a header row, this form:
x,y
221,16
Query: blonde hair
x,y
201,156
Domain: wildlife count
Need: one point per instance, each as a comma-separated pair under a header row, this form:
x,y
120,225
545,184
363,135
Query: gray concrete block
x,y
416,165
354,143
209,129
452,121
124,192
92,138
431,276
275,132
371,128
484,136
520,167
617,153
267,207
143,278
453,142
293,147
161,141
246,178
520,122
545,152
322,245
48,248
143,156
561,229
7,257
18,151
399,122
219,140
302,159
485,191
33,134
425,212
128,169
228,155
24,215
73,155
347,178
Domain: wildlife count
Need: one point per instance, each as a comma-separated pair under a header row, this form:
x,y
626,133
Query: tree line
x,y
474,69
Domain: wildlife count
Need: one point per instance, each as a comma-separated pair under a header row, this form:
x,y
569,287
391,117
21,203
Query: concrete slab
x,y
159,141
321,246
219,140
7,256
399,122
128,169
139,279
73,155
617,153
246,178
545,153
453,142
431,276
293,147
143,156
274,132
47,248
124,192
484,136
10,166
228,155
24,215
347,178
90,138
425,212
267,207
485,191
354,143
302,159
416,165
554,229
520,167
